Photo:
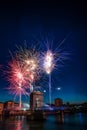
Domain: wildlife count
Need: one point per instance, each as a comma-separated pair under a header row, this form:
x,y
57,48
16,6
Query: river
x,y
68,122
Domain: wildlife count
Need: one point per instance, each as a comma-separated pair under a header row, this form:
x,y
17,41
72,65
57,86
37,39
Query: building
x,y
1,107
36,100
9,105
16,106
58,102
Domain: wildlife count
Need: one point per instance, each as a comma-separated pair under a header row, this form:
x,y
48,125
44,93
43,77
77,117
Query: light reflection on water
x,y
66,122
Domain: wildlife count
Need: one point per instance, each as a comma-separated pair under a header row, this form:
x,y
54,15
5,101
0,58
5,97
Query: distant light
x,y
58,88
44,91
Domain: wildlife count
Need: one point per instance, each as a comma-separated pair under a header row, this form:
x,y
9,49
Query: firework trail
x,y
52,59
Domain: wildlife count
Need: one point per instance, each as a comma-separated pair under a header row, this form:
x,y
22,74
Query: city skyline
x,y
41,23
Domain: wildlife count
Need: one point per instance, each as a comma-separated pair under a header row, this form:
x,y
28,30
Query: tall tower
x,y
58,102
36,100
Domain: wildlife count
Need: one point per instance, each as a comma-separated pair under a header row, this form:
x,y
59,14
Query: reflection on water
x,y
79,118
64,122
60,118
36,125
11,123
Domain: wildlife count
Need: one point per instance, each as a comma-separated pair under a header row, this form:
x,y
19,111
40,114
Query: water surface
x,y
67,122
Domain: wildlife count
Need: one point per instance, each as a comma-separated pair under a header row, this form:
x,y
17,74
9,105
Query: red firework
x,y
16,72
17,77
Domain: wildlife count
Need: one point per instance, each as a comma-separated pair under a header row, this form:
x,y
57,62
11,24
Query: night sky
x,y
41,21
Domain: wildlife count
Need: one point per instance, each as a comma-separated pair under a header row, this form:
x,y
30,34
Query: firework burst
x,y
48,64
17,73
17,79
31,59
52,59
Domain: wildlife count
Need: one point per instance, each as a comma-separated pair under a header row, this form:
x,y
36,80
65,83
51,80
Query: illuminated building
x,y
36,100
1,107
9,105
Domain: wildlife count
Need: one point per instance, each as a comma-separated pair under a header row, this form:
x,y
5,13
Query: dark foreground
x,y
76,121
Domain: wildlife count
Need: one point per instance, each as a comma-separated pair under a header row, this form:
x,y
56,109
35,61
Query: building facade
x,y
9,105
36,100
1,107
